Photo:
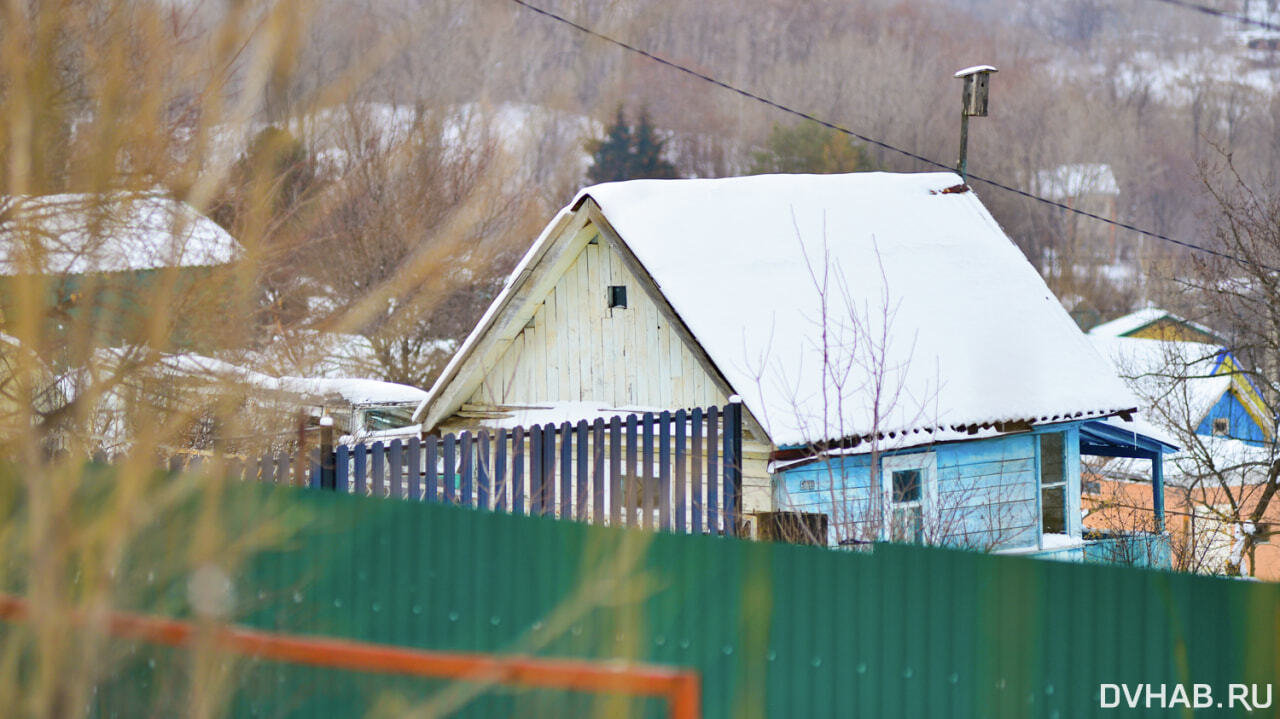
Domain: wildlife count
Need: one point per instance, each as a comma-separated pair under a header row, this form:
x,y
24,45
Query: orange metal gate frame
x,y
680,688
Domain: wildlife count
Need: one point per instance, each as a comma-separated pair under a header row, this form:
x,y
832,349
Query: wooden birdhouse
x,y
976,83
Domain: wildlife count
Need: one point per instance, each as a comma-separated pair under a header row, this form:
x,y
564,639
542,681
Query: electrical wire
x,y
1205,9
882,144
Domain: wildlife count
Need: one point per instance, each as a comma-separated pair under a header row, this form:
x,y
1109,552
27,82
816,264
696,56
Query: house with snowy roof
x,y
1190,387
105,253
1196,395
1156,324
858,317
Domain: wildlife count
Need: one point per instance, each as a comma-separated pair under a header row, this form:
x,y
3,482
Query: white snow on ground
x,y
1069,181
973,334
521,129
76,234
1177,77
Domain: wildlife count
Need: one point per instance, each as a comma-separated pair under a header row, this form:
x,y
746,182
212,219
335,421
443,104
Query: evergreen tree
x,y
647,152
812,148
628,153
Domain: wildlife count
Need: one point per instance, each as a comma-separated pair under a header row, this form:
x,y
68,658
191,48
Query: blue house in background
x,y
1235,415
1191,386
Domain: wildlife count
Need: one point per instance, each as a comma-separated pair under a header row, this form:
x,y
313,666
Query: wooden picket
x,y
672,471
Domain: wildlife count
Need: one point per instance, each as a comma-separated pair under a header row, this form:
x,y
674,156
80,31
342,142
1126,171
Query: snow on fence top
x,y
924,291
118,232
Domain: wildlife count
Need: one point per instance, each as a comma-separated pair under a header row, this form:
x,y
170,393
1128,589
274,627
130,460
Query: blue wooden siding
x,y
1243,426
987,490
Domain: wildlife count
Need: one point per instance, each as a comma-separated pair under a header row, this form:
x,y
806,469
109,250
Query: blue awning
x,y
1103,439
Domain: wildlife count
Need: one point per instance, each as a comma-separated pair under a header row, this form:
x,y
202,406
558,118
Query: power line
x,y
1222,14
880,143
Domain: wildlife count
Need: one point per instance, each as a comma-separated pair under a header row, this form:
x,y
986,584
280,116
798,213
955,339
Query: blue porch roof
x,y
1106,440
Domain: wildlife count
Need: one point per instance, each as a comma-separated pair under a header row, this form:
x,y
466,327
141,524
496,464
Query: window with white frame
x,y
909,488
1053,484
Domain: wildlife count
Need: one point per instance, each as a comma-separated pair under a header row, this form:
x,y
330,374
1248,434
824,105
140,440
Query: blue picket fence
x,y
670,471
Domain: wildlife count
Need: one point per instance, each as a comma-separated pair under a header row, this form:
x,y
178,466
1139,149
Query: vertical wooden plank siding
x,y
615,472
484,480
728,463
664,471
734,434
500,471
566,471
648,490
681,482
630,494
676,471
377,469
535,469
713,472
549,470
431,490
361,458
695,463
582,497
414,462
561,351
517,470
464,458
448,470
395,468
597,471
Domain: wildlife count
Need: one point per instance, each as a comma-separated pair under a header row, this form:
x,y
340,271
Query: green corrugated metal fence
x,y
775,630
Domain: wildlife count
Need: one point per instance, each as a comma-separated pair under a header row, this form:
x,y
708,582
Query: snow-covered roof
x,y
1176,384
924,284
1067,181
1121,326
77,234
974,70
352,390
1176,381
356,390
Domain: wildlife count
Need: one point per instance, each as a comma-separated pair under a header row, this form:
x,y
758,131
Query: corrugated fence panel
x,y
775,630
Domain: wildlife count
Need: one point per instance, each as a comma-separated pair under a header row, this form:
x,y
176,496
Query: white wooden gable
x,y
552,338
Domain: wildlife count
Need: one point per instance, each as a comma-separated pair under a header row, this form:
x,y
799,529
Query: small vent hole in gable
x,y
617,296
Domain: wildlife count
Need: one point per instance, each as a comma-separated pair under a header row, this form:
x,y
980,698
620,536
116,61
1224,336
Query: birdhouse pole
x,y
973,104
